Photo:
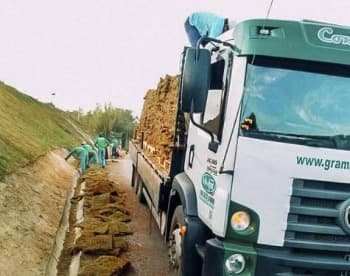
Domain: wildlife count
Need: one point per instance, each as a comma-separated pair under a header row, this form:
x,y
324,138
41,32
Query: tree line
x,y
111,121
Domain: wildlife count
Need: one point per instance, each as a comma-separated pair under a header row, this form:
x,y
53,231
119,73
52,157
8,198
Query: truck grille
x,y
313,216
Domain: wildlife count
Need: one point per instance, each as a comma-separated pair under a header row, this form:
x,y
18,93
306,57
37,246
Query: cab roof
x,y
306,40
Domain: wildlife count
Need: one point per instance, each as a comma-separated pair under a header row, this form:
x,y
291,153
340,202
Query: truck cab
x,y
266,179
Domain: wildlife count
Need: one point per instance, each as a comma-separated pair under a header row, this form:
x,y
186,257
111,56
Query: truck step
x,y
200,250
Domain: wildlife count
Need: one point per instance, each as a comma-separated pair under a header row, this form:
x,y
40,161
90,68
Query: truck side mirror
x,y
195,79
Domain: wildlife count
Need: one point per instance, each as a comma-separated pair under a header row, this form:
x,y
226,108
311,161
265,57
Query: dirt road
x,y
147,251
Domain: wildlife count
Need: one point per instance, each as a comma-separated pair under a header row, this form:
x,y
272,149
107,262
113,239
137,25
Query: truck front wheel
x,y
176,240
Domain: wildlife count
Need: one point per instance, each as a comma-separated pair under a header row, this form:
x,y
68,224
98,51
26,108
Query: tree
x,y
110,121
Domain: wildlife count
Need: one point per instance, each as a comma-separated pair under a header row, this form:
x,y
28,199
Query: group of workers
x,y
87,155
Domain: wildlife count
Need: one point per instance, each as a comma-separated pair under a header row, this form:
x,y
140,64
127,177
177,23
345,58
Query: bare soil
x,y
31,202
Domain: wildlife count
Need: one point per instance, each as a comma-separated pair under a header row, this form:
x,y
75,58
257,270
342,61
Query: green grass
x,y
29,129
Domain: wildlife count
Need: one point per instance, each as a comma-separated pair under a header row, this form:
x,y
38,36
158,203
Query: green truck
x,y
262,186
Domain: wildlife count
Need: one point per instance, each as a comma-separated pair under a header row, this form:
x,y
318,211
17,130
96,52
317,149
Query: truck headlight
x,y
235,264
240,221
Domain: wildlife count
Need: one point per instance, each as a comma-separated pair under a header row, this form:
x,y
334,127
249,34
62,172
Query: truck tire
x,y
140,196
176,240
136,182
133,176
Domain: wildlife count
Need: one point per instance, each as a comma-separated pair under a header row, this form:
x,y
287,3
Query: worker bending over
x,y
92,154
81,154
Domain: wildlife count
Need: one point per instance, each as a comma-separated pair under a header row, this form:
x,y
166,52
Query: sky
x,y
112,51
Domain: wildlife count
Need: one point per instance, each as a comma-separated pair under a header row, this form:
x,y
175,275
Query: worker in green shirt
x,y
81,154
115,144
92,154
101,143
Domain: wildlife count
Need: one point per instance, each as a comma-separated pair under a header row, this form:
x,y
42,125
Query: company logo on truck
x,y
326,34
208,183
209,188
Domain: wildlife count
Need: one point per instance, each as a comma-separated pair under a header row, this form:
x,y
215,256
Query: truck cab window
x,y
215,105
295,101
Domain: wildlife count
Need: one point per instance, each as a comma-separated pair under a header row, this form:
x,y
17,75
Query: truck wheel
x,y
133,176
136,182
139,193
175,240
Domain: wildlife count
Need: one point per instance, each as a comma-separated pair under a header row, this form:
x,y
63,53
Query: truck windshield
x,y
290,99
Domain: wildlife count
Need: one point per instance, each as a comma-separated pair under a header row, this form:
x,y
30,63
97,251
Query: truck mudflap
x,y
196,233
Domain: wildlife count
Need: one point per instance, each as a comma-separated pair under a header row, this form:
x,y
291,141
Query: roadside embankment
x,y
31,203
30,129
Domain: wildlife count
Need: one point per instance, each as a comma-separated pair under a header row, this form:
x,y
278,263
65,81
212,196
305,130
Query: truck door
x,y
208,141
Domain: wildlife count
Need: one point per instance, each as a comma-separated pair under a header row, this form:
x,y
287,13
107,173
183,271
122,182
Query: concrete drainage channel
x,y
51,268
75,264
91,238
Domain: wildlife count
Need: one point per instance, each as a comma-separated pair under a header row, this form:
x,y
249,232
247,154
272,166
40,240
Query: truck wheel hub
x,y
175,249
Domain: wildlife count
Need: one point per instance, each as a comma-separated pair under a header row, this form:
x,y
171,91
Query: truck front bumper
x,y
271,260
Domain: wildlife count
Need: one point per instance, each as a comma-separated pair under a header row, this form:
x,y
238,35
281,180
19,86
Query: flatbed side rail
x,y
152,178
135,150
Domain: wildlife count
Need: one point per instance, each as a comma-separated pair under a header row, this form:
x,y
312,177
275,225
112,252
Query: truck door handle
x,y
191,156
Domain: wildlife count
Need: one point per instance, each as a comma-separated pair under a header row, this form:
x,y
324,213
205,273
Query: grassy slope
x,y
29,129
